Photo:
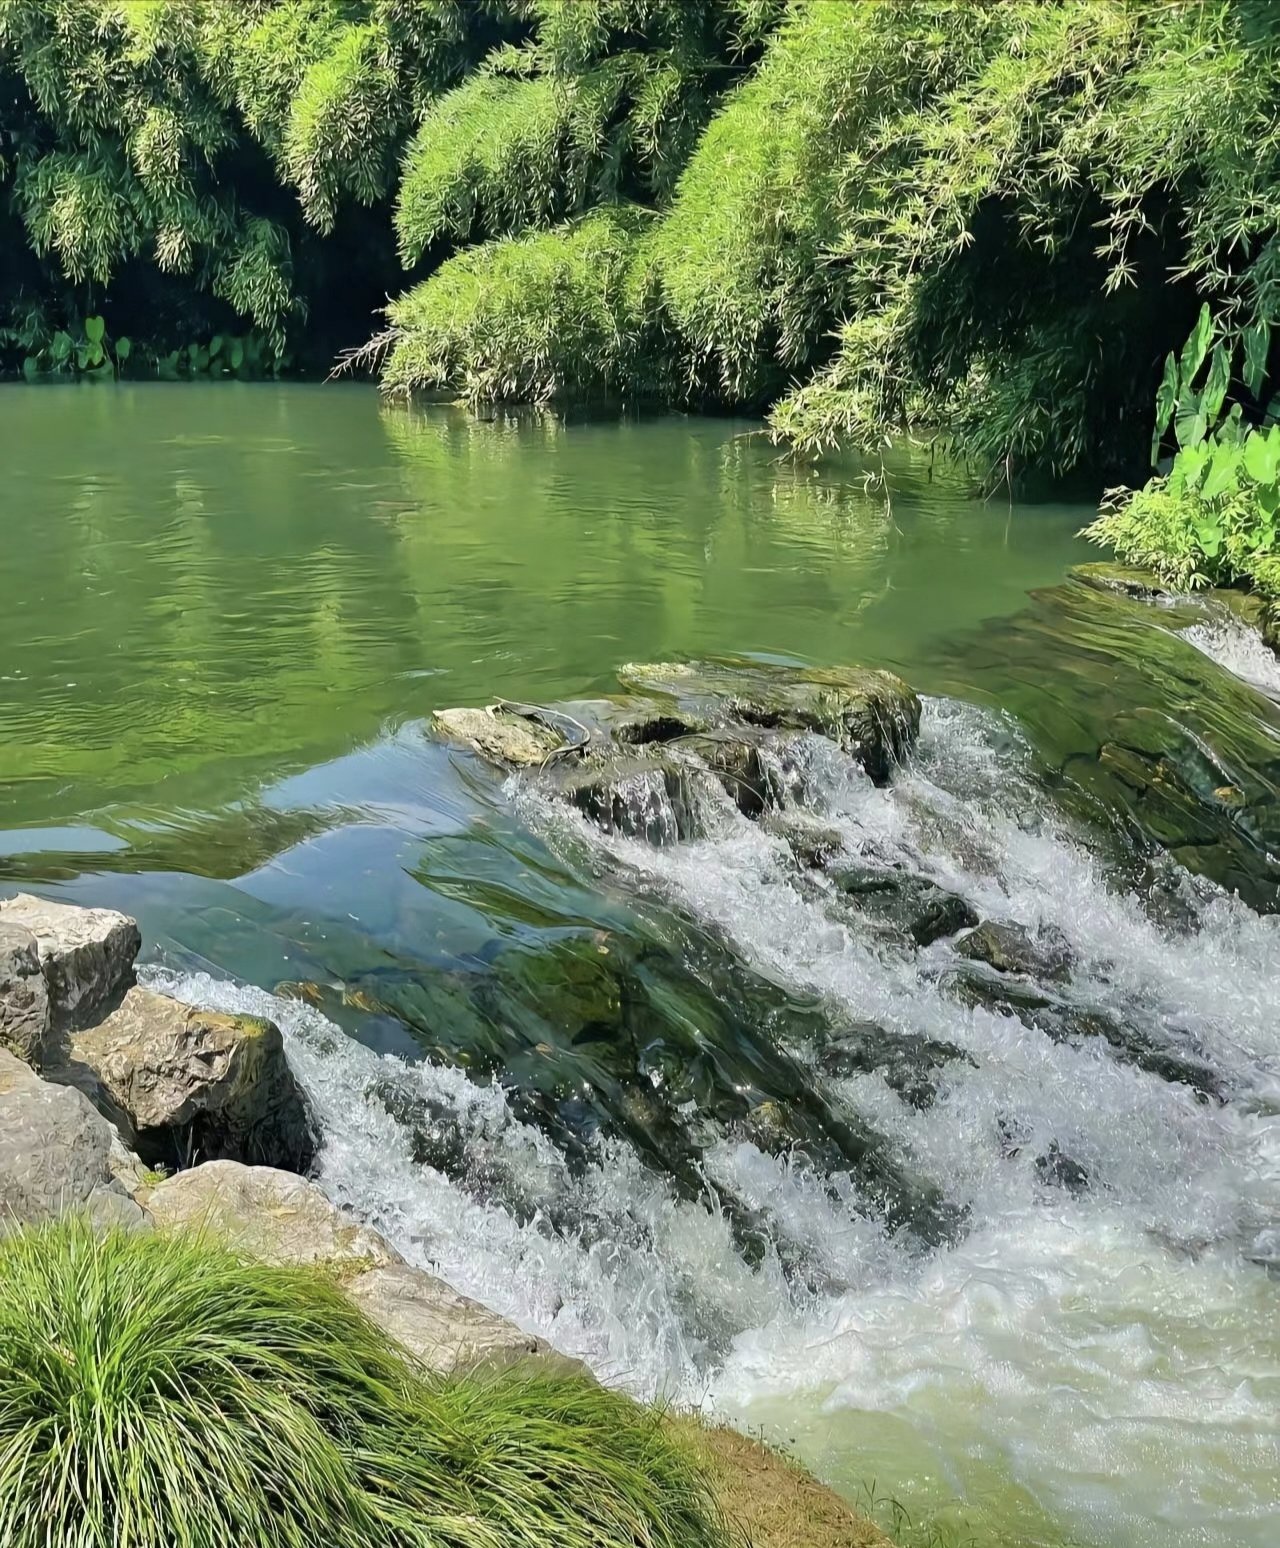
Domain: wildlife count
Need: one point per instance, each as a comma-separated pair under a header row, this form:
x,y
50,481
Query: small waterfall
x,y
1098,1335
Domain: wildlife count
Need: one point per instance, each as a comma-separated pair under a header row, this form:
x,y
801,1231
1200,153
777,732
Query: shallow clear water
x,y
228,613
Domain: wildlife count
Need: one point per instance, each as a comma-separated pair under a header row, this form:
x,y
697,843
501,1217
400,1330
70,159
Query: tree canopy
x,y
998,218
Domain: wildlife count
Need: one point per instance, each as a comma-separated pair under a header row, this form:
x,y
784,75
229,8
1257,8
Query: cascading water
x,y
1092,1353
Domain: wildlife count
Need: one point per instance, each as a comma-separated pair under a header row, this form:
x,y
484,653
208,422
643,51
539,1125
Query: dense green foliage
x,y
1215,517
161,1393
995,217
998,218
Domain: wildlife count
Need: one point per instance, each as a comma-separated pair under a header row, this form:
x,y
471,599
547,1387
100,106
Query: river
x,y
229,612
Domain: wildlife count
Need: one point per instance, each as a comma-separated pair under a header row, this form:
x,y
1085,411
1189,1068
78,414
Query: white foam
x,y
1242,651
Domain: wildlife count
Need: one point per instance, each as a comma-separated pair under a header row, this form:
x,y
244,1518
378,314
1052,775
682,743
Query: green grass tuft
x,y
160,1392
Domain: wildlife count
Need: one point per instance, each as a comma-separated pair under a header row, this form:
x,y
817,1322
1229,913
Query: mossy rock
x,y
872,714
1124,579
500,735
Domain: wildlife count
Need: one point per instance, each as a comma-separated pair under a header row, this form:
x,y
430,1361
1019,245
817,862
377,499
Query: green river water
x,y
228,613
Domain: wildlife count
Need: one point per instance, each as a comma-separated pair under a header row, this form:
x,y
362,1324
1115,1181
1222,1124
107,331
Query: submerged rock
x,y
813,843
1009,948
1064,1022
908,1062
86,955
283,1219
186,1084
903,906
1058,1170
24,1000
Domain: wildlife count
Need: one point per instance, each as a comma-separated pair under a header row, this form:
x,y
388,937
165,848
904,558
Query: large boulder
x,y
56,1153
86,955
24,1000
284,1219
185,1084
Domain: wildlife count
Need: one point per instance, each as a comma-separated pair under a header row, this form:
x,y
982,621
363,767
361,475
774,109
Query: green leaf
x,y
193,353
96,355
1257,344
31,368
1224,469
1209,534
1197,346
200,360
215,346
1166,402
1189,423
61,346
1215,387
1262,457
123,349
94,329
82,358
237,354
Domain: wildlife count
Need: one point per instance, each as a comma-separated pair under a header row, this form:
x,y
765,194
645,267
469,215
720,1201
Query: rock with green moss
x,y
872,714
184,1085
1125,580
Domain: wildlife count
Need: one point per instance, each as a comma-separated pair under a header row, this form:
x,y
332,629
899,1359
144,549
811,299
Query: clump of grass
x,y
161,1392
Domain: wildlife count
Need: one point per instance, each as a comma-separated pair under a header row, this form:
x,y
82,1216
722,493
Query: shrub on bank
x,y
160,1392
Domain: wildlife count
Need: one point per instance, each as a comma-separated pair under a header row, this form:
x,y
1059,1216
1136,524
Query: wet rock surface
x,y
1008,948
630,764
909,1063
902,906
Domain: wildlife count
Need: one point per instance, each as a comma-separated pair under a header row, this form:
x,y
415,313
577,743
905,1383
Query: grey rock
x,y
186,1084
24,1000
86,955
54,1148
282,1218
110,1208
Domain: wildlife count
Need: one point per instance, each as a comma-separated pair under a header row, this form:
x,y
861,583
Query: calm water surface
x,y
229,611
